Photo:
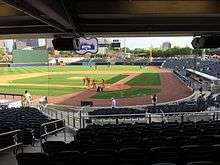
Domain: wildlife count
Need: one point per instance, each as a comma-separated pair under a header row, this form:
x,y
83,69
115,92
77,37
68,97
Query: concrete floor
x,y
8,158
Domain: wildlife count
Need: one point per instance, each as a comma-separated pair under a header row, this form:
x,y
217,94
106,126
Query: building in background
x,y
103,45
2,44
48,42
166,45
21,43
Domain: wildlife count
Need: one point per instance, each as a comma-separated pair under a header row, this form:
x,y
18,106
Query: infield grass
x,y
131,92
145,79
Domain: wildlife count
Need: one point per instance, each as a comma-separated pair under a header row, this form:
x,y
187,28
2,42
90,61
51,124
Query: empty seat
x,y
32,159
100,157
164,155
130,142
134,156
202,163
163,163
65,158
54,146
191,153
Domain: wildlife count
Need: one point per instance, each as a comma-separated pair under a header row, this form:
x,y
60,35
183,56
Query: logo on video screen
x,y
87,45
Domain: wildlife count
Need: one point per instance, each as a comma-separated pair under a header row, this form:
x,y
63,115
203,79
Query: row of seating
x,y
184,106
133,156
136,144
26,119
108,142
96,61
109,111
211,67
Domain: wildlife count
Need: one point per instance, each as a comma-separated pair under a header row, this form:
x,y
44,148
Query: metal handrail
x,y
144,114
15,140
51,122
115,115
78,119
53,131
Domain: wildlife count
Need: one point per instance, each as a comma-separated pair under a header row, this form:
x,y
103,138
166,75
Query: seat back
x,y
32,159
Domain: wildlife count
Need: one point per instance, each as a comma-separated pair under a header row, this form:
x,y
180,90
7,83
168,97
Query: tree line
x,y
171,52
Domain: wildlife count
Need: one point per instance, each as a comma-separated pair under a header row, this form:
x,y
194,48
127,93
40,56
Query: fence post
x,y
83,122
68,118
56,114
149,118
74,124
64,130
80,120
116,120
182,118
61,115
213,118
41,149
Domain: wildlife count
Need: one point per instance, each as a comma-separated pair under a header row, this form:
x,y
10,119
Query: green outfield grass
x,y
131,92
145,79
65,79
63,83
39,91
35,69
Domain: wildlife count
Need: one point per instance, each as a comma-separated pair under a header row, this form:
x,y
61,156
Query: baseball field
x,y
120,81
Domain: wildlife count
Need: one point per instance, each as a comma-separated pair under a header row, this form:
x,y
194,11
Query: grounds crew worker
x,y
26,99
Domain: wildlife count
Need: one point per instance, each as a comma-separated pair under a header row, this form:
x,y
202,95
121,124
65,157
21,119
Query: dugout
x,y
29,58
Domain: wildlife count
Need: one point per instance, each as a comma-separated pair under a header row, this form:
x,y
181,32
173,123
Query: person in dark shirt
x,y
154,99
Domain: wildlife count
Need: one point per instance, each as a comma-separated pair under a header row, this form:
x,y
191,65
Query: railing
x,y
148,117
79,118
11,94
184,79
44,129
16,142
71,117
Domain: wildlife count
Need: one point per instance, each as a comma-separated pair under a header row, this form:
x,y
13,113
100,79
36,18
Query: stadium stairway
x,y
8,157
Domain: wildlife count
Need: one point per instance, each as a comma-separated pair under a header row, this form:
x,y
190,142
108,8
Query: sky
x,y
155,42
138,42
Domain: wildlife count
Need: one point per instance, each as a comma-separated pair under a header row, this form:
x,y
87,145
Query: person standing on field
x,y
113,103
26,99
154,99
94,83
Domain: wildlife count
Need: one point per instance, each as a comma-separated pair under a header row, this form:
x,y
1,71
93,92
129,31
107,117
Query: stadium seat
x,y
201,163
192,153
164,155
54,146
134,156
65,158
100,157
32,159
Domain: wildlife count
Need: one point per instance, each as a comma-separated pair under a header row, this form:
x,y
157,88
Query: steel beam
x,y
33,13
53,13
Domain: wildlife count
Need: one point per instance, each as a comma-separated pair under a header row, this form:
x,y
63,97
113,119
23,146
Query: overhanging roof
x,y
30,18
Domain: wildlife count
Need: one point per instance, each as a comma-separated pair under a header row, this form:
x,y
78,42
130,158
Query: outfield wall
x,y
30,57
28,64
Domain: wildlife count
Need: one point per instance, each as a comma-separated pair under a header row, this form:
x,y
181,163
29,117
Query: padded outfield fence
x,y
29,57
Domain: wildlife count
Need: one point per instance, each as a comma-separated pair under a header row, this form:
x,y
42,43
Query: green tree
x,y
2,53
